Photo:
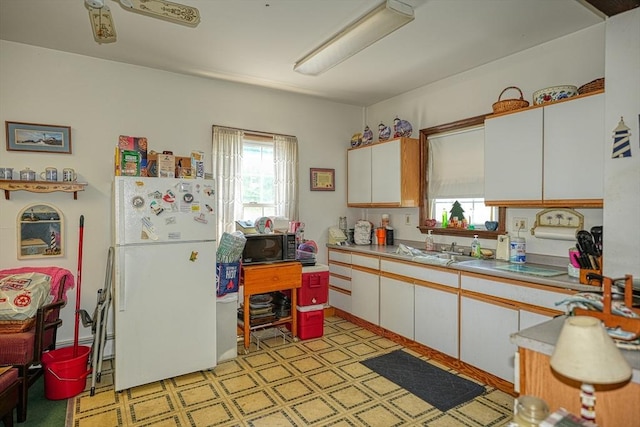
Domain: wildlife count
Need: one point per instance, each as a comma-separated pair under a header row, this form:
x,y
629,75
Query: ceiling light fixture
x,y
371,27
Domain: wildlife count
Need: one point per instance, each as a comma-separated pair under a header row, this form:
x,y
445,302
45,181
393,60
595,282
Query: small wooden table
x,y
265,278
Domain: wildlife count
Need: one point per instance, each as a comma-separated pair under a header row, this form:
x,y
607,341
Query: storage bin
x,y
310,321
315,286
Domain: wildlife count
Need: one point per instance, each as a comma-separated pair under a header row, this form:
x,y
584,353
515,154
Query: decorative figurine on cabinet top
x,y
356,140
401,128
384,132
367,136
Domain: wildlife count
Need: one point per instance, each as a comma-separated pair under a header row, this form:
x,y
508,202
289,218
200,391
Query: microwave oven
x,y
268,248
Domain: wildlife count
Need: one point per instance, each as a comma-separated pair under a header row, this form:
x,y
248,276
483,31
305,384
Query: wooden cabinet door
x,y
396,306
513,157
365,296
436,319
485,330
574,149
359,176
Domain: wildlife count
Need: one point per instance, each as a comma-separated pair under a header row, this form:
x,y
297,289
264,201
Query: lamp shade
x,y
586,353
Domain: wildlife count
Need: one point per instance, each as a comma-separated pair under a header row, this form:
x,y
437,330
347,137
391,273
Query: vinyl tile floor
x,y
316,382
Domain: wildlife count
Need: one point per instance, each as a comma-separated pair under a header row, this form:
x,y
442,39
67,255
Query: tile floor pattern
x,y
316,382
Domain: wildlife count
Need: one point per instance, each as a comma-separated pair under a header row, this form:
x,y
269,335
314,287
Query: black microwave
x,y
268,248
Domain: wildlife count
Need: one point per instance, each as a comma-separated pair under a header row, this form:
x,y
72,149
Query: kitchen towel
x,y
435,386
555,233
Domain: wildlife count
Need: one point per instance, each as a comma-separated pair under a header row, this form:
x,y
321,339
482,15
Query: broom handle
x,y
78,285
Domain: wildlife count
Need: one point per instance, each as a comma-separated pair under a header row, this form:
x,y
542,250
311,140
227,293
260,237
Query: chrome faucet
x,y
453,247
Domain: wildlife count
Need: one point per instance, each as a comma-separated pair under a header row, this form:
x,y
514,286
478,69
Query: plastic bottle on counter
x,y
429,243
475,247
444,218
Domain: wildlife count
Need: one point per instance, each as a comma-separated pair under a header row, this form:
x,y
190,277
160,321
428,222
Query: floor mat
x,y
428,382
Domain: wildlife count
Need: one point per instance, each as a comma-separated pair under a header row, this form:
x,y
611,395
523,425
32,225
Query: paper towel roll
x,y
555,233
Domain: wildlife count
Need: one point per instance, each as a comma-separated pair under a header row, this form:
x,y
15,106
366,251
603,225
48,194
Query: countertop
x,y
542,339
482,266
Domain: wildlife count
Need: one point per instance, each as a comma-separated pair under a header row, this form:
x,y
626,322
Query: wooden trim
x,y
573,203
337,289
451,362
515,282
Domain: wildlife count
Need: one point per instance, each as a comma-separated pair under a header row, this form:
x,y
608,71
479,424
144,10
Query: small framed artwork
x,y
40,232
322,179
38,138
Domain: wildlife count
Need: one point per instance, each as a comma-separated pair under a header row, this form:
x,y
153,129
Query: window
x,y
453,169
258,176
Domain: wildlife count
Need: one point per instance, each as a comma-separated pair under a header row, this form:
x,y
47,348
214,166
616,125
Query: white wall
x,y
575,59
622,176
101,100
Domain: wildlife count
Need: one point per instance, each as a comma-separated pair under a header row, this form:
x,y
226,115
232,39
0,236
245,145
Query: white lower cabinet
x,y
485,329
396,306
436,319
531,318
365,295
341,300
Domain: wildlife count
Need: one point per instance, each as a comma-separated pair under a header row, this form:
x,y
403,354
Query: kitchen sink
x,y
454,256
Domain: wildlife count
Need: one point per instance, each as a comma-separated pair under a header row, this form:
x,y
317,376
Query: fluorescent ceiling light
x,y
379,22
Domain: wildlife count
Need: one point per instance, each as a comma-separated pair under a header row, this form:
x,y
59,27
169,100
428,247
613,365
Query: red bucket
x,y
65,375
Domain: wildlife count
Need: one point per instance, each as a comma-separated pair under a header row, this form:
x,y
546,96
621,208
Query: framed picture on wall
x,y
40,232
322,179
38,138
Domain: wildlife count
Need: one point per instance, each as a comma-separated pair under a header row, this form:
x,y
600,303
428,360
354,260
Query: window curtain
x,y
227,171
285,155
456,165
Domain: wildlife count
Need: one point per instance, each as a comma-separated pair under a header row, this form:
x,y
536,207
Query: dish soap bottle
x,y
429,243
444,218
475,247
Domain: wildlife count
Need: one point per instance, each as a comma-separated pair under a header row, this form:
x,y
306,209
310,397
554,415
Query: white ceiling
x,y
257,42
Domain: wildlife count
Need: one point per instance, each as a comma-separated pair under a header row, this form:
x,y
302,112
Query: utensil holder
x,y
585,271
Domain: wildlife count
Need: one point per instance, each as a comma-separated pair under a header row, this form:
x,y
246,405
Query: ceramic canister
x,y
49,174
68,175
27,175
8,173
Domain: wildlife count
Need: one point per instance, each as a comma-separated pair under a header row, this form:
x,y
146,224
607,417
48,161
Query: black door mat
x,y
435,386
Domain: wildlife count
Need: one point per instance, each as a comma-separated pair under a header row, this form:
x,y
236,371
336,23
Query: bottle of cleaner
x,y
429,243
444,218
475,247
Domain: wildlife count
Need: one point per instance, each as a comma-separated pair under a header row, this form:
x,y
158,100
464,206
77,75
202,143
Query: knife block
x,y
585,271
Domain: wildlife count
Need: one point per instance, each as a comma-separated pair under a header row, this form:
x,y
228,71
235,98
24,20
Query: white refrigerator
x,y
165,278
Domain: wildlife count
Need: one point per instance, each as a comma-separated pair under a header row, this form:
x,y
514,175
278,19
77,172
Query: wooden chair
x,y
24,350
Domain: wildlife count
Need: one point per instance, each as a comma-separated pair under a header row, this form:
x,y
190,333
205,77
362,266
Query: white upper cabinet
x,y
385,174
547,156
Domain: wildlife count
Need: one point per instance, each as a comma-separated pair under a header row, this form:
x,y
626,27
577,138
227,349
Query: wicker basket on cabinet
x,y
502,106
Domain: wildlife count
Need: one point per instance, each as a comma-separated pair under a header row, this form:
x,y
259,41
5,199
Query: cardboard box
x,y
161,165
197,164
183,167
135,143
129,163
227,277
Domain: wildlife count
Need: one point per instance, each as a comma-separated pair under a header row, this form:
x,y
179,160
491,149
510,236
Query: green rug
x,y
42,412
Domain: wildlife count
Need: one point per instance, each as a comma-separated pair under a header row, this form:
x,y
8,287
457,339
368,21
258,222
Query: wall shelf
x,y
42,187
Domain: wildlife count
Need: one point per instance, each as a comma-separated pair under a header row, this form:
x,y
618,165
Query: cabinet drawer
x,y
425,274
340,256
339,282
514,292
268,278
340,269
340,300
365,261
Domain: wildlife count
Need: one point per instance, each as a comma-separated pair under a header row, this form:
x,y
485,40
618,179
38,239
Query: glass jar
x,y
27,175
530,411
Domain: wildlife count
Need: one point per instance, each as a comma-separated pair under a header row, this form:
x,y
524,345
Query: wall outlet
x,y
520,223
407,219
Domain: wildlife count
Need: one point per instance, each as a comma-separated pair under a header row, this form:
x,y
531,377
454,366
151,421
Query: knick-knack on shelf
x,y
384,132
367,136
401,128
